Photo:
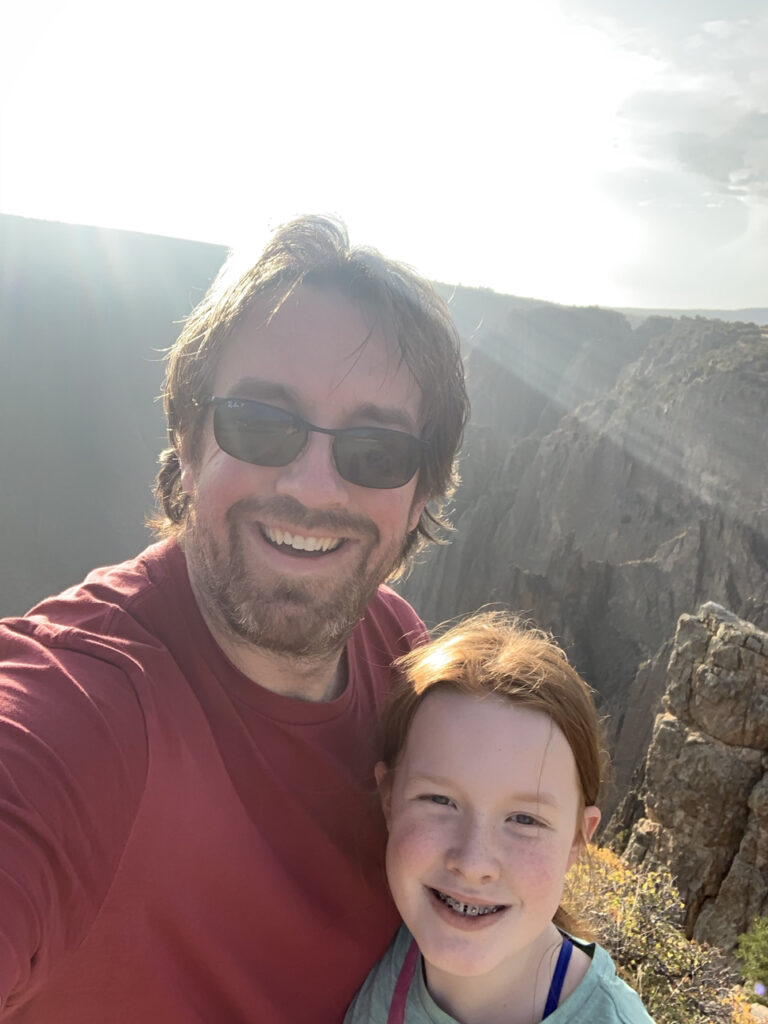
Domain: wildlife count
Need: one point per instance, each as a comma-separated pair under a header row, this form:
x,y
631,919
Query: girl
x,y
490,772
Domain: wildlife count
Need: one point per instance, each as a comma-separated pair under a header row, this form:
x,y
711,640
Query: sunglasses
x,y
267,436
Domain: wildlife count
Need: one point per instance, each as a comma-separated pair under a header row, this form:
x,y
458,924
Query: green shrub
x,y
752,950
637,915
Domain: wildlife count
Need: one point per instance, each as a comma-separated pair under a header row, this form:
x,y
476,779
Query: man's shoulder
x,y
387,601
389,619
108,588
389,629
110,601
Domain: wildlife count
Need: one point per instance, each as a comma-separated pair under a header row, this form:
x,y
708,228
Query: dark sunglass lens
x,y
259,434
377,458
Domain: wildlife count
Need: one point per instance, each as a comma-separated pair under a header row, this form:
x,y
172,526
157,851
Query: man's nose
x,y
312,477
474,853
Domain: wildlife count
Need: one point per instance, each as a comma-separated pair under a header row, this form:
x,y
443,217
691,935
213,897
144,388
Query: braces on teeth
x,y
468,909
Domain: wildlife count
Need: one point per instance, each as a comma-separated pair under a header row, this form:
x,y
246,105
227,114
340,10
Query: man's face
x,y
288,557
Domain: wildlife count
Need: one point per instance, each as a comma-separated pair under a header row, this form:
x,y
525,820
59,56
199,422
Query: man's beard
x,y
303,618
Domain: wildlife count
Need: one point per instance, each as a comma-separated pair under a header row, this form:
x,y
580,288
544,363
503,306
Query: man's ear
x,y
187,478
590,819
384,782
416,509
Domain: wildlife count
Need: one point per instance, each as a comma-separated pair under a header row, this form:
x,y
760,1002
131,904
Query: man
x,y
188,827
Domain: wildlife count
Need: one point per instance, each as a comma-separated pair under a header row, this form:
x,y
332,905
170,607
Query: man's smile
x,y
300,542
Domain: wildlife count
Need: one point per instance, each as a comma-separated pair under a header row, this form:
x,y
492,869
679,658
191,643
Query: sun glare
x,y
481,145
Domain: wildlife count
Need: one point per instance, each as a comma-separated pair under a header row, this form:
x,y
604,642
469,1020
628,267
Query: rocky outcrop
x,y
704,789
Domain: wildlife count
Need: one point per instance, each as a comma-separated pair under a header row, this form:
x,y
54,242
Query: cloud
x,y
700,248
699,133
662,21
693,142
706,110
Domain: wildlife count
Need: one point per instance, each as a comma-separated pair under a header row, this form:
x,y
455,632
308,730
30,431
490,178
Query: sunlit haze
x,y
583,152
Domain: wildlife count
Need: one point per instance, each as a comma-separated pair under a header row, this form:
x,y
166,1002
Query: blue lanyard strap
x,y
561,967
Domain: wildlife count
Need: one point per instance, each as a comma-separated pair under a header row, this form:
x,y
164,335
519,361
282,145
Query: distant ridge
x,y
465,301
18,222
753,315
33,229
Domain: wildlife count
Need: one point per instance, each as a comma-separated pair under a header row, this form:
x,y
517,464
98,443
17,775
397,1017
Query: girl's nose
x,y
473,855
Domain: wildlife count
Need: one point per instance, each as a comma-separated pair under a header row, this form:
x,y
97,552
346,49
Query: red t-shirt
x,y
178,844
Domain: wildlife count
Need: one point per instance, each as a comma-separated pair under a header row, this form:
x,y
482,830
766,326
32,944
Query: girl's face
x,y
485,817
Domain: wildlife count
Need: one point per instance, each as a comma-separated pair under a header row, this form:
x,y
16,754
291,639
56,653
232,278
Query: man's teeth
x,y
300,543
468,909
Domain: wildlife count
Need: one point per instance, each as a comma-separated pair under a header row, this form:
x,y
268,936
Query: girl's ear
x,y
589,822
384,782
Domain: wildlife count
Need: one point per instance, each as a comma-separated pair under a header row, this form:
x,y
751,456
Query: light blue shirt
x,y
601,997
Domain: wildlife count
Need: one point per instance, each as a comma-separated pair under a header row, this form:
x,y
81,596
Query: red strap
x,y
400,997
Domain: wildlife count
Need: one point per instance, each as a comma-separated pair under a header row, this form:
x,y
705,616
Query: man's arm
x,y
72,767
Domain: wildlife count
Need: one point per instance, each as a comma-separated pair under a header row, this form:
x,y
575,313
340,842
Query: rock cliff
x,y
704,788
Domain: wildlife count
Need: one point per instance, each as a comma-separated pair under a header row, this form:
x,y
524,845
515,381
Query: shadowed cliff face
x,y
85,314
612,480
703,807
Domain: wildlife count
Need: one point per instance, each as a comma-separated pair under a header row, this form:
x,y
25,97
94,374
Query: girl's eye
x,y
438,798
523,819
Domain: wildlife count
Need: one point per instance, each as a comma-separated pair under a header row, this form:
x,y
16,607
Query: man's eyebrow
x,y
385,416
368,413
264,390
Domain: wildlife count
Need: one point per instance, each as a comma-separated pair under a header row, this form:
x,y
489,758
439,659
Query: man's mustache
x,y
293,513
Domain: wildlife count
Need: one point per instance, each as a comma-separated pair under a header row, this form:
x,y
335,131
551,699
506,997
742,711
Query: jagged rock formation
x,y
704,789
613,479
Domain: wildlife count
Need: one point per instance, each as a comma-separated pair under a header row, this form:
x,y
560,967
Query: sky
x,y
610,152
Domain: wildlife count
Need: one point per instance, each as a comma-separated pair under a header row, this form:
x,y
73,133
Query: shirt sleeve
x,y
73,760
410,631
